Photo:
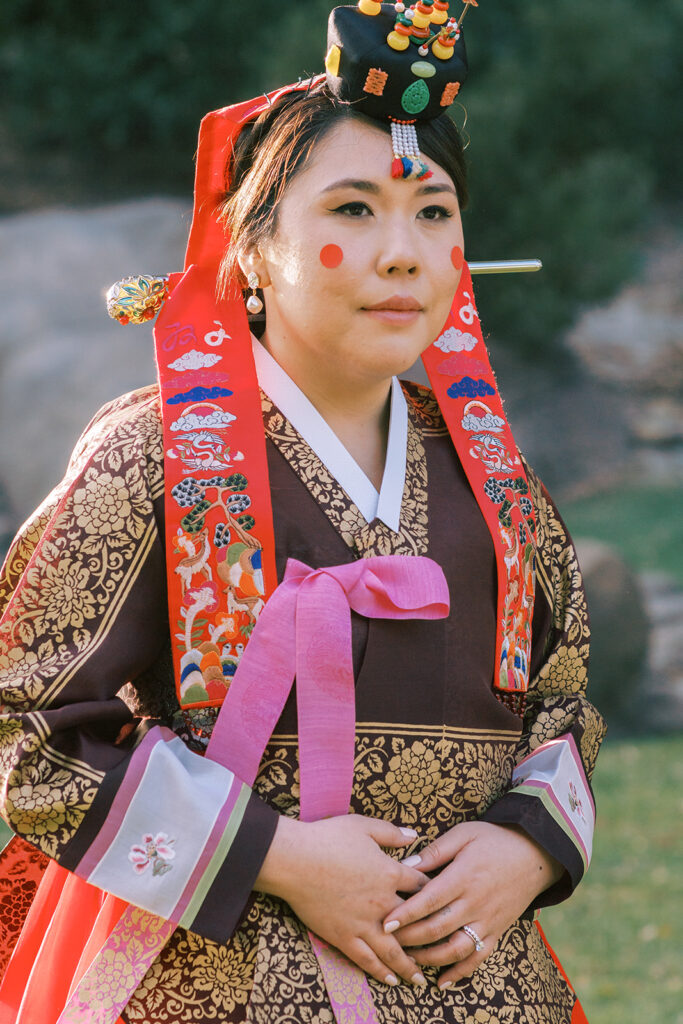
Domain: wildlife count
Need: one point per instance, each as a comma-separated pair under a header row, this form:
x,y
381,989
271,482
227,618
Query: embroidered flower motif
x,y
103,506
35,808
575,801
414,773
63,594
155,850
225,972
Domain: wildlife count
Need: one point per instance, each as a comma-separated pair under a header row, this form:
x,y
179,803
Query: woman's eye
x,y
357,209
436,213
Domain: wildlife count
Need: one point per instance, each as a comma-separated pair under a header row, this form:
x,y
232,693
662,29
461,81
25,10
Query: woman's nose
x,y
398,253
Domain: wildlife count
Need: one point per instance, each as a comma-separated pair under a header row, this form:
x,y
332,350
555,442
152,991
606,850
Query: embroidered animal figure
x,y
239,567
204,450
198,551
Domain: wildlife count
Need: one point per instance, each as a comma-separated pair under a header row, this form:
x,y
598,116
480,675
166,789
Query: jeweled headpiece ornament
x,y
404,65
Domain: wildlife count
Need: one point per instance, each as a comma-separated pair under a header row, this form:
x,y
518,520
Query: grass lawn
x,y
620,938
644,523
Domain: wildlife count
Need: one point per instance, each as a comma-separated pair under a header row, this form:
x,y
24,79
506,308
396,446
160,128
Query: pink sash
x,y
303,631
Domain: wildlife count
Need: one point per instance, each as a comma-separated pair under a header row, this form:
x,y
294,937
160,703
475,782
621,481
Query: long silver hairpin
x,y
506,267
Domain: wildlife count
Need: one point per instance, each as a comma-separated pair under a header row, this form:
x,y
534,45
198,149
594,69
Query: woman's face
x,y
349,237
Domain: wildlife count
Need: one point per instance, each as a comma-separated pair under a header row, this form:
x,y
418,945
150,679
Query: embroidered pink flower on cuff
x,y
156,850
575,801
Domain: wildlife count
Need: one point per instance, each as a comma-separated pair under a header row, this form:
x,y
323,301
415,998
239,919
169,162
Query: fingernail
x,y
419,979
412,862
391,926
391,979
445,984
410,833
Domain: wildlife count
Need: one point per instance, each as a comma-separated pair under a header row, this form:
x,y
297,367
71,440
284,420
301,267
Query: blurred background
x,y
573,113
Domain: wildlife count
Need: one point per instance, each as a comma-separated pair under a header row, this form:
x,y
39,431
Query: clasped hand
x,y
388,916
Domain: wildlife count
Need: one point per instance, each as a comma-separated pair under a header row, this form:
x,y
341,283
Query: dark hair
x,y
271,150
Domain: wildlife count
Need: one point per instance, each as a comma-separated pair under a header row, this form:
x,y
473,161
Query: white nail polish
x,y
409,833
445,985
419,979
391,926
391,979
412,862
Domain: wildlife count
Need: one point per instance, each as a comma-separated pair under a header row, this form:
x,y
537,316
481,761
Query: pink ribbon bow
x,y
305,631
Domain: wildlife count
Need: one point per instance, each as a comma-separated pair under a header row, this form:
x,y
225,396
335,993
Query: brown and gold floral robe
x,y
85,672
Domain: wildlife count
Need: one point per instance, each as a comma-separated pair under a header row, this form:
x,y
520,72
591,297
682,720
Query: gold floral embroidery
x,y
47,803
107,986
195,979
60,597
425,409
556,695
225,972
436,780
560,568
517,984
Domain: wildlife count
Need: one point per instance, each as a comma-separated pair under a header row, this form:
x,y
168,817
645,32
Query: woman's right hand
x,y
340,883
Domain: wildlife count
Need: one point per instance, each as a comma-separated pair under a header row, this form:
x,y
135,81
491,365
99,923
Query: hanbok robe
x,y
87,684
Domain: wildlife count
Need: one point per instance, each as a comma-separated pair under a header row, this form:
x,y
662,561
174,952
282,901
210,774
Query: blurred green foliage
x,y
571,110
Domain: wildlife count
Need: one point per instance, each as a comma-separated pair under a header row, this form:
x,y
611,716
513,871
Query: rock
x,y
62,357
663,697
619,633
659,422
637,338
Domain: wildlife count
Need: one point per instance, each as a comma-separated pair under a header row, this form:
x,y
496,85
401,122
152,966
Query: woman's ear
x,y
252,262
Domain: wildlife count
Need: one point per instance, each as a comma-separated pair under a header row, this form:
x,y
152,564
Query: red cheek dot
x,y
331,256
457,257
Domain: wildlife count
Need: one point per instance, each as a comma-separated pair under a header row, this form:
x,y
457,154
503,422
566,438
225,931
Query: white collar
x,y
306,419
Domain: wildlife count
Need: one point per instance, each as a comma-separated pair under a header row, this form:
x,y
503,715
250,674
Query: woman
x,y
469,813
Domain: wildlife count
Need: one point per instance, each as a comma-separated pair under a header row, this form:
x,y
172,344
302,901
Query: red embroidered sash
x,y
463,382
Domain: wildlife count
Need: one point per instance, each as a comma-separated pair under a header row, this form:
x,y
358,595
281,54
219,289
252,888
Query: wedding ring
x,y
468,930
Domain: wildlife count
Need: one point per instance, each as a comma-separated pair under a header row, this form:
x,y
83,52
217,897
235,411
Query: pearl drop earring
x,y
254,304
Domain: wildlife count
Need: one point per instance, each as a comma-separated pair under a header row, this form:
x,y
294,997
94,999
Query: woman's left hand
x,y
490,875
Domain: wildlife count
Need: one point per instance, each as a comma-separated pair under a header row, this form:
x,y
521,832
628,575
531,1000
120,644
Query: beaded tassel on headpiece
x,y
408,162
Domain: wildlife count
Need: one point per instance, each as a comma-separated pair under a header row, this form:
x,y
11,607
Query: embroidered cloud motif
x,y
488,422
195,360
468,388
198,395
454,340
192,421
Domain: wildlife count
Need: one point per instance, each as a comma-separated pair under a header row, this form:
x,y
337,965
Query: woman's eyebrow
x,y
374,189
430,190
362,186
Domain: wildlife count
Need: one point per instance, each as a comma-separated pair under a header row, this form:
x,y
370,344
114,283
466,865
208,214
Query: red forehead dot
x,y
457,257
331,256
